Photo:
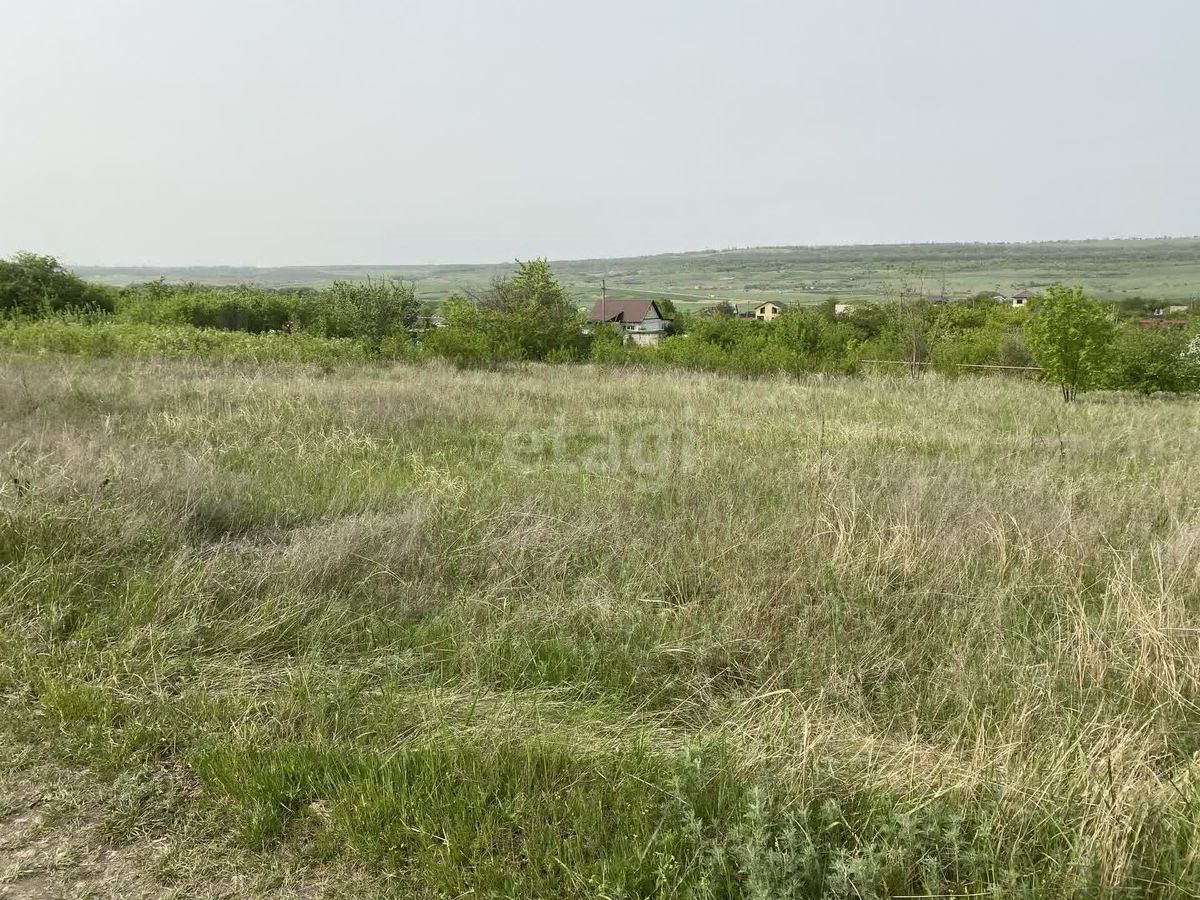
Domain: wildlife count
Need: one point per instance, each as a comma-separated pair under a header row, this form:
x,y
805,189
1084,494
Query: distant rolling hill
x,y
1160,268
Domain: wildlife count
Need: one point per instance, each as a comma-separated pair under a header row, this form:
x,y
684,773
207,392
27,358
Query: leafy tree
x,y
869,320
978,333
965,316
1069,335
371,310
726,332
470,337
33,285
532,312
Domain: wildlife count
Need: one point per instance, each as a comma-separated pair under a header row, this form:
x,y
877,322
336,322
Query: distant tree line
x,y
1077,342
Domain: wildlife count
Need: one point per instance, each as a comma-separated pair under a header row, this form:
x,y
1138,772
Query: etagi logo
x,y
647,454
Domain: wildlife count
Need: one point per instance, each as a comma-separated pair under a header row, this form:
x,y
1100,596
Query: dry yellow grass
x,y
663,631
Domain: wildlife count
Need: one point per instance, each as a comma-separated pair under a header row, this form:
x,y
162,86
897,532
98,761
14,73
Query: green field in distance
x,y
1160,268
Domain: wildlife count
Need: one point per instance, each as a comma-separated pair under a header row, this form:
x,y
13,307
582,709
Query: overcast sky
x,y
271,132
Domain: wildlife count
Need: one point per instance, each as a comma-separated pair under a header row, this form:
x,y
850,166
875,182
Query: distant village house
x,y
768,311
641,321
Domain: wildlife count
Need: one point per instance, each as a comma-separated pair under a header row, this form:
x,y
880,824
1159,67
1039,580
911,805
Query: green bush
x,y
527,317
97,339
1149,360
242,308
33,285
608,345
815,341
472,336
1013,350
374,311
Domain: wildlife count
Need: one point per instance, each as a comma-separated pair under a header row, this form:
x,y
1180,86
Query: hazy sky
x,y
264,132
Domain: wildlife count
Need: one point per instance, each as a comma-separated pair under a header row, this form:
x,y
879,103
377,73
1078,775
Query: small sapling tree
x,y
1069,334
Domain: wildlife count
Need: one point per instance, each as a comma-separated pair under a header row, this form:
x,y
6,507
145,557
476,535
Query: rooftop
x,y
623,309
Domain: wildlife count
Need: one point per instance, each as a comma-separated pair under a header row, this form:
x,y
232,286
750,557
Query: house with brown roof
x,y
641,321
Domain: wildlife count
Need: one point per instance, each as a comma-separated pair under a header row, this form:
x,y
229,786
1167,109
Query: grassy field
x,y
572,632
1160,269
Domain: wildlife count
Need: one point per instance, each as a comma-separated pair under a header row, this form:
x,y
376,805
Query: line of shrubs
x,y
372,311
529,316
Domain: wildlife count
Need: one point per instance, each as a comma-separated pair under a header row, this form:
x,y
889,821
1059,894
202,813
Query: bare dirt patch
x,y
51,848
